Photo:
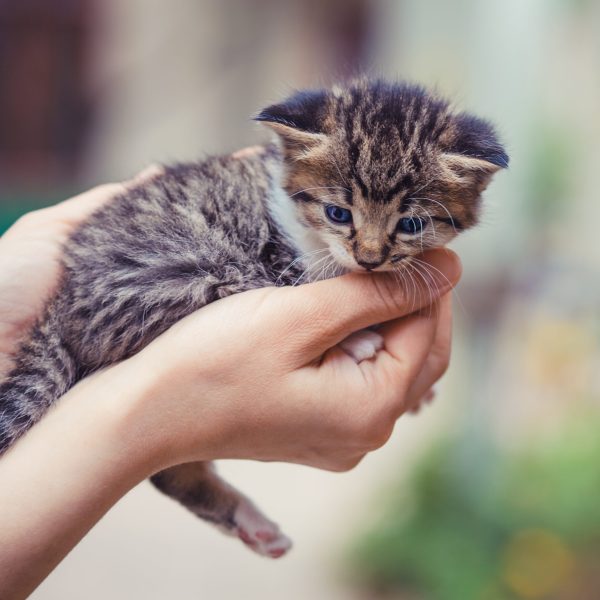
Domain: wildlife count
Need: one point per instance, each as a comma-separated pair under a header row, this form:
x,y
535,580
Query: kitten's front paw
x,y
259,533
362,345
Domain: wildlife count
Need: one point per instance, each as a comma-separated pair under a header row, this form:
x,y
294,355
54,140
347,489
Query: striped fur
x,y
203,231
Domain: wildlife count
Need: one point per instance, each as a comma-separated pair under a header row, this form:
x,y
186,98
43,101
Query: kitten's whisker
x,y
318,267
309,269
412,214
428,214
414,286
344,180
330,265
400,279
421,188
324,262
327,196
444,208
405,271
407,276
323,187
334,268
296,260
426,281
454,290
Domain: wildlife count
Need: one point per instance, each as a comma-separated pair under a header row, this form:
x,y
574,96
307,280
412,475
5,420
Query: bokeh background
x,y
491,493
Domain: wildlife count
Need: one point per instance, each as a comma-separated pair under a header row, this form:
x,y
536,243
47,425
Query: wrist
x,y
147,402
117,400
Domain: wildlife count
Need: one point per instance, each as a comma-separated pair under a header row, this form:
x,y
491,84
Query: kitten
x,y
362,177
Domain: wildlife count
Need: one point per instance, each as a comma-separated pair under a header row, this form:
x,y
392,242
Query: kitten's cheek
x,y
343,258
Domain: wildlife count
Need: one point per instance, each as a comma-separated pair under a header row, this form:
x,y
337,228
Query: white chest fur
x,y
314,252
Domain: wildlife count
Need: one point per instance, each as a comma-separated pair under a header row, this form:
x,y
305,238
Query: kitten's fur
x,y
203,231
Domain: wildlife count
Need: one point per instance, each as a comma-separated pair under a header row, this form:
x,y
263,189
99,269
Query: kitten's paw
x,y
362,345
259,533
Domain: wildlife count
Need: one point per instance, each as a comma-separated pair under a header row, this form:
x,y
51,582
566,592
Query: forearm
x,y
62,477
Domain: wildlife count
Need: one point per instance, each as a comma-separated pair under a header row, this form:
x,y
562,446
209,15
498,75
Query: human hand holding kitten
x,y
361,178
256,376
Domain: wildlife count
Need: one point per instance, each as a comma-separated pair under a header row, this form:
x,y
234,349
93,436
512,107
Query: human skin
x,y
254,376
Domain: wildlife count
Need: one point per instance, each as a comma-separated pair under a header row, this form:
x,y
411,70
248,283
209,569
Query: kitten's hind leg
x,y
198,487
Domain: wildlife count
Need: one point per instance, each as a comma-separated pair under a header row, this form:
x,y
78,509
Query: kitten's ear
x,y
298,121
472,150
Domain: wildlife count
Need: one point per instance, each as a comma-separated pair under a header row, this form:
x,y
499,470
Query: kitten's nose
x,y
369,266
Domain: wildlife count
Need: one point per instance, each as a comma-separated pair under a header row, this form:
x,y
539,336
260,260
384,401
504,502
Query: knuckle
x,y
374,430
345,465
379,435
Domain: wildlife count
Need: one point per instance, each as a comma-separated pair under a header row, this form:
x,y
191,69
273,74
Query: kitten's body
x,y
204,231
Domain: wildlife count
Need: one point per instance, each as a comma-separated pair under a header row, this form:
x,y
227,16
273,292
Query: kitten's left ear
x,y
298,120
472,150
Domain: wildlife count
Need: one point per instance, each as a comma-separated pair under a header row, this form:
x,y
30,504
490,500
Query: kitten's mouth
x,y
386,265
368,266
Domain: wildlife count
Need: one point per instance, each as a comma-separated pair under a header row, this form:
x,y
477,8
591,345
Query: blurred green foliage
x,y
527,528
552,169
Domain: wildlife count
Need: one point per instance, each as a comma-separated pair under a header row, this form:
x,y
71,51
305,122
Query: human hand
x,y
272,321
259,375
30,254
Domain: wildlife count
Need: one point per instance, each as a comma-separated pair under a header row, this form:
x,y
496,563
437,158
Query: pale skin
x,y
267,383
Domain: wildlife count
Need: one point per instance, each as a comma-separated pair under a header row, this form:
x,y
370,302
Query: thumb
x,y
333,309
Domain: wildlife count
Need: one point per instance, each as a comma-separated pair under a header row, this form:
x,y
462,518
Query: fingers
x,y
438,357
417,350
408,342
76,209
333,309
248,152
150,172
426,399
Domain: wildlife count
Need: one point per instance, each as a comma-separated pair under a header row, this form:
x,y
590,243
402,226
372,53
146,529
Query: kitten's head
x,y
380,172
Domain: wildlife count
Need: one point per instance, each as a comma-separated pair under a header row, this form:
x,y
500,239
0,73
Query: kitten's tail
x,y
43,371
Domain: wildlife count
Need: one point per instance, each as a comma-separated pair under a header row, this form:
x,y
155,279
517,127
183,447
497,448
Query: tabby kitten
x,y
363,177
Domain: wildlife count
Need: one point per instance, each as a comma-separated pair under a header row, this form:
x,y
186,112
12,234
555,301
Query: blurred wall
x,y
94,90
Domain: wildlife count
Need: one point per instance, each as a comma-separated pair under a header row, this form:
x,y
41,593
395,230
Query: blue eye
x,y
337,214
411,225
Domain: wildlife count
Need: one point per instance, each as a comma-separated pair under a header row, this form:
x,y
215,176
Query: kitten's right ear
x,y
474,143
472,152
298,120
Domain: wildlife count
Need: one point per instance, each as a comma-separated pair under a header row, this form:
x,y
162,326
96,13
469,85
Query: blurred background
x,y
492,492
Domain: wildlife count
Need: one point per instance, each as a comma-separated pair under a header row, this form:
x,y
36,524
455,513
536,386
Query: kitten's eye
x,y
411,225
337,214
